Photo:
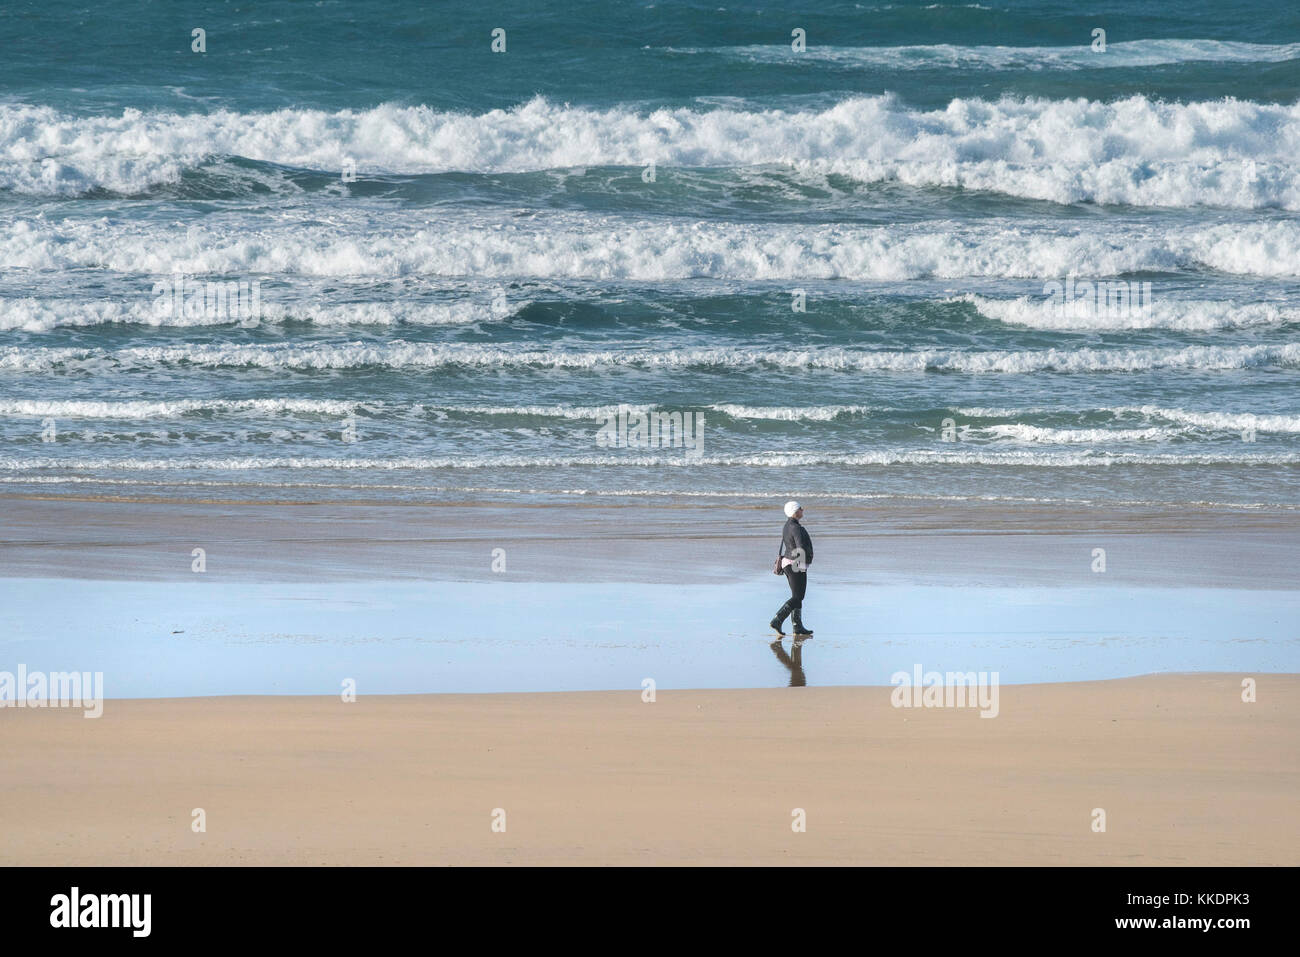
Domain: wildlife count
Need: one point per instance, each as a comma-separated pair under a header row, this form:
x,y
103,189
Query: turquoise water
x,y
505,269
162,640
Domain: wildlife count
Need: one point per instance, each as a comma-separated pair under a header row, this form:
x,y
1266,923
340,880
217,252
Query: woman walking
x,y
793,559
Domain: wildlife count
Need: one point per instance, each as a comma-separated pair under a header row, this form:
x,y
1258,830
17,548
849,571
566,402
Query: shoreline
x,y
1185,771
883,542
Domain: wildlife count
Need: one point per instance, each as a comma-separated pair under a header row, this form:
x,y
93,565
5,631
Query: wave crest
x,y
1139,151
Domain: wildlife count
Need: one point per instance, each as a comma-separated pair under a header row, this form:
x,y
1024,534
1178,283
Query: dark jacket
x,y
795,536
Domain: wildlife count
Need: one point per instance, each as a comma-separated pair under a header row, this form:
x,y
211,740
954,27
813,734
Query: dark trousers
x,y
794,606
798,586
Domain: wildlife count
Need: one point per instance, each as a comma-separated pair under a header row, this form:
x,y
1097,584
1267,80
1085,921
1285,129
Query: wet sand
x,y
586,540
1185,771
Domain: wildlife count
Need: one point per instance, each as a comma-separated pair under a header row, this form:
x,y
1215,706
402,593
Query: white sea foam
x,y
1222,421
43,315
570,245
1188,421
1172,423
1021,433
820,413
256,482
165,409
413,355
1138,151
1226,422
1121,54
1181,314
1209,421
773,459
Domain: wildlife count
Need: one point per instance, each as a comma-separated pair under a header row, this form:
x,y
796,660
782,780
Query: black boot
x,y
779,620
799,630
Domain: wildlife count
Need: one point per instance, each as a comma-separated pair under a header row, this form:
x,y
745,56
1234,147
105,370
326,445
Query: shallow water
x,y
163,640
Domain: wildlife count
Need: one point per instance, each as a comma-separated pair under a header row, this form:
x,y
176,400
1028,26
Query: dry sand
x,y
1186,773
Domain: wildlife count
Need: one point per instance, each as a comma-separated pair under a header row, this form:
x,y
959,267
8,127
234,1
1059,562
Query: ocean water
x,y
835,265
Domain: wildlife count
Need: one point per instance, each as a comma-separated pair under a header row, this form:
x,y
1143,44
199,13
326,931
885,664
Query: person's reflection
x,y
793,661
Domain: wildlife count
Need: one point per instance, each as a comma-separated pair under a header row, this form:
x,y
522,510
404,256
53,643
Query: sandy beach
x,y
1186,773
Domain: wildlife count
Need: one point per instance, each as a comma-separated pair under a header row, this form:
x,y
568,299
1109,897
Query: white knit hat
x,y
791,507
